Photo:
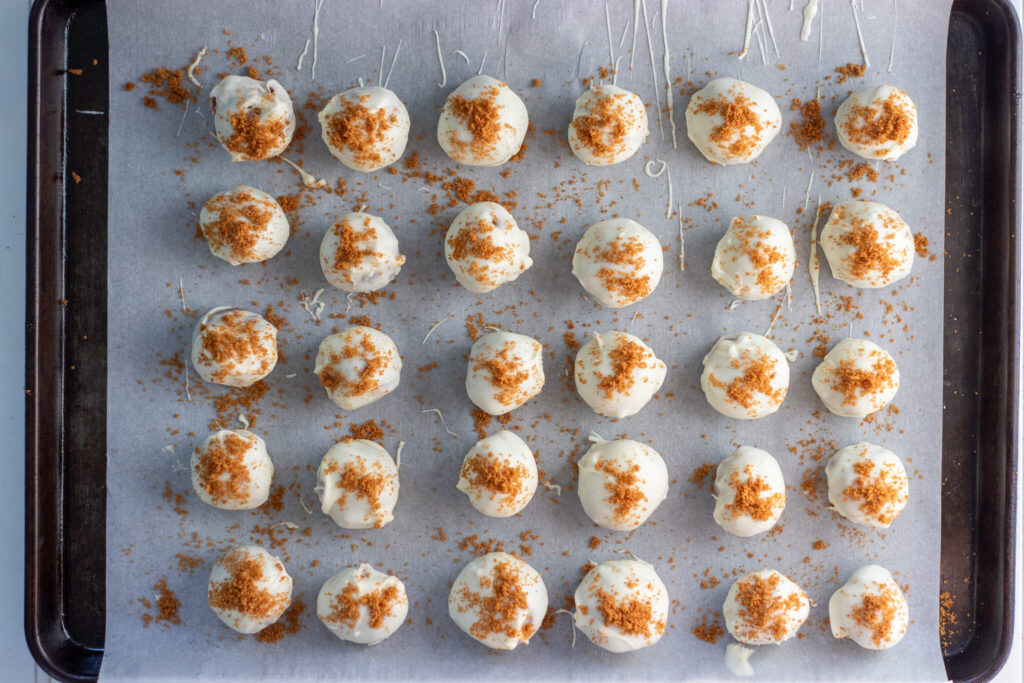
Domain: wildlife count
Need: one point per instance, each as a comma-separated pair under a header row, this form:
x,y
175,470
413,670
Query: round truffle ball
x,y
243,225
608,126
867,244
505,371
622,605
485,248
358,366
249,589
360,253
253,119
867,484
764,608
750,493
621,482
499,600
362,605
232,470
483,123
879,123
856,378
731,121
234,347
869,609
357,482
745,376
365,128
617,374
499,475
755,258
618,261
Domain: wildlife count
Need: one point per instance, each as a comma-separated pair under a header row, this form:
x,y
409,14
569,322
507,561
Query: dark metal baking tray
x,y
66,336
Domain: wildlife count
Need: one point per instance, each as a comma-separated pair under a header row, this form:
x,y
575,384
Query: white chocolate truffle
x,y
499,600
243,225
234,347
750,493
880,123
867,244
745,376
618,261
856,378
249,589
731,121
505,371
362,605
483,123
621,482
617,374
253,119
622,605
764,608
365,128
358,366
499,474
357,482
755,257
869,609
232,470
608,126
485,248
360,253
867,484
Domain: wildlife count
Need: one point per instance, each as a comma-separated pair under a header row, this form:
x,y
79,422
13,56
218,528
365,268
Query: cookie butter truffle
x,y
360,253
253,119
869,609
880,123
499,600
243,225
608,126
362,605
234,347
764,608
483,123
505,371
755,258
867,244
249,589
617,374
357,482
499,474
750,493
745,376
856,378
867,484
232,470
365,128
358,366
618,261
485,248
621,483
731,121
622,605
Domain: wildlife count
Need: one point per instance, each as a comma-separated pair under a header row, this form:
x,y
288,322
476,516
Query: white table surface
x,y
14,656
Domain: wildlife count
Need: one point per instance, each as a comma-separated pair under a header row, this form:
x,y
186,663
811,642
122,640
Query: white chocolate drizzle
x,y
440,60
748,30
810,11
860,36
195,63
440,415
668,82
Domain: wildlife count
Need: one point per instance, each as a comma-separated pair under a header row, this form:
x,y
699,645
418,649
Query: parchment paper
x,y
153,427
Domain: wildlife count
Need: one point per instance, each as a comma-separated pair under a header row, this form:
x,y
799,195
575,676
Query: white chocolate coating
x,y
618,261
755,257
358,366
867,484
783,603
867,244
365,128
870,609
357,482
608,126
232,470
618,587
254,120
244,225
362,605
251,573
621,482
234,347
878,123
745,376
359,253
485,248
483,123
856,378
750,493
487,597
499,475
617,374
505,371
723,143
